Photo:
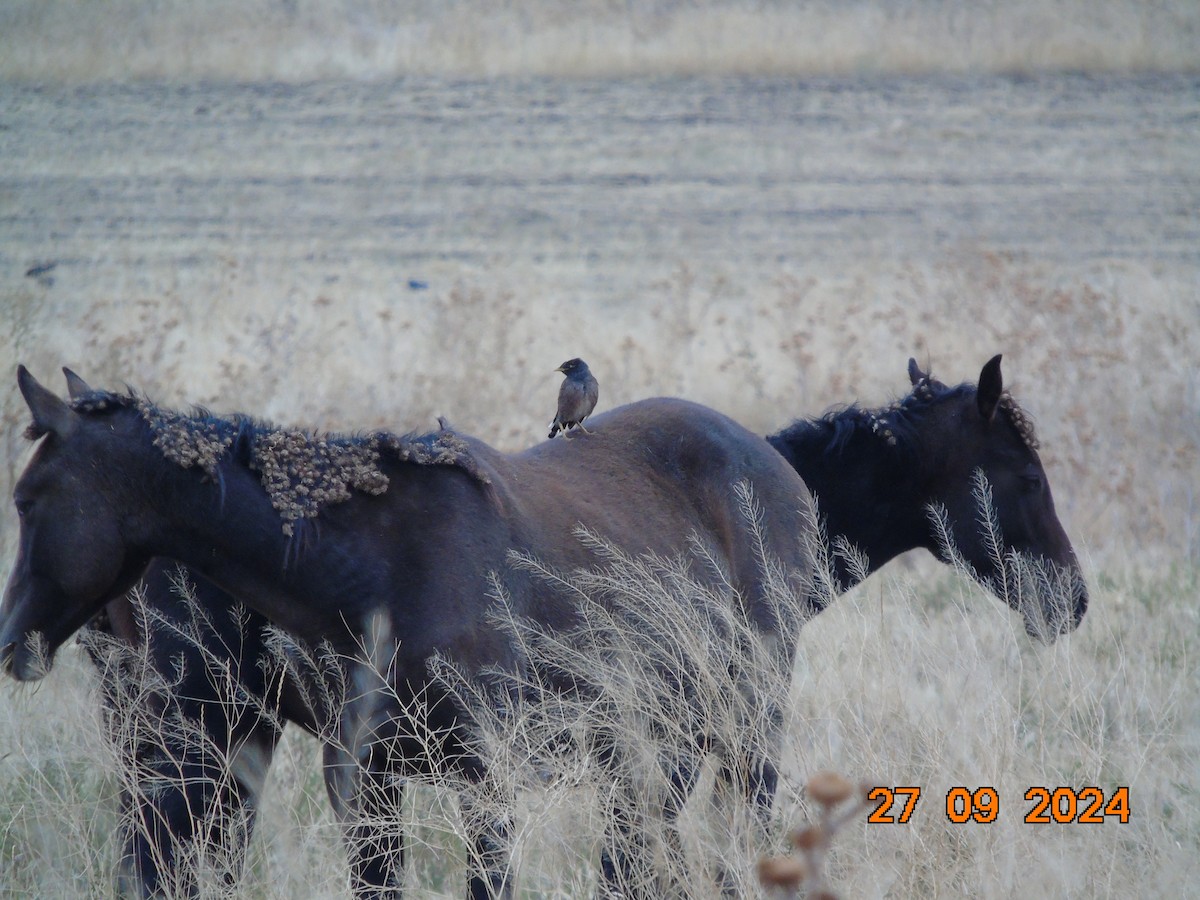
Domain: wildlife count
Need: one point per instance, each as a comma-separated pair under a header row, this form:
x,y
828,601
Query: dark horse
x,y
917,474
875,472
385,550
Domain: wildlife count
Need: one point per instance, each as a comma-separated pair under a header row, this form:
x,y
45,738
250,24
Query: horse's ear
x,y
991,386
915,375
76,386
49,412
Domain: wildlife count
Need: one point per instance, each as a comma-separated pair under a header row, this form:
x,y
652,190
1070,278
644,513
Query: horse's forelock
x,y
90,403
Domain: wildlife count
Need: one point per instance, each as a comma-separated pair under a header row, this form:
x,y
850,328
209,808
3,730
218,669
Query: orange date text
x,y
893,804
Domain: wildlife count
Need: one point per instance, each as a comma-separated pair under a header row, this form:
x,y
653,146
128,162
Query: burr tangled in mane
x,y
302,472
1020,420
926,388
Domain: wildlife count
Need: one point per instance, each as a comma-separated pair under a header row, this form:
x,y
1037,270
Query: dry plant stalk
x,y
803,873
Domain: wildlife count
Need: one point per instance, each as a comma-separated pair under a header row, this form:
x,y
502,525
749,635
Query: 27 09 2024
x,y
1061,805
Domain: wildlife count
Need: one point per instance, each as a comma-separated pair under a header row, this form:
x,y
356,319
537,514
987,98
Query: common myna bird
x,y
576,398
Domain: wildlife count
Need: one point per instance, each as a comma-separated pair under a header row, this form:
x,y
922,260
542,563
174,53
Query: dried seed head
x,y
782,872
829,788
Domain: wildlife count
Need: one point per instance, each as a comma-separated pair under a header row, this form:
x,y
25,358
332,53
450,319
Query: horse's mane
x,y
897,424
302,471
1020,419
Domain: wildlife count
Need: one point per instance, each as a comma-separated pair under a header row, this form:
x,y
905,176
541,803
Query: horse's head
x,y
72,556
990,498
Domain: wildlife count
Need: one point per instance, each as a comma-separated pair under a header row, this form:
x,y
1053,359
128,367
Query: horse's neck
x,y
878,516
227,529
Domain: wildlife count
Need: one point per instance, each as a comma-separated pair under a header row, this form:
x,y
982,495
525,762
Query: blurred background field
x,y
298,40
345,216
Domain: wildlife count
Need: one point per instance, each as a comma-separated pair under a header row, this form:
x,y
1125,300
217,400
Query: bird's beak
x,y
559,369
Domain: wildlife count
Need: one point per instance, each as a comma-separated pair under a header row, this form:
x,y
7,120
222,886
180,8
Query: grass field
x,y
916,678
909,681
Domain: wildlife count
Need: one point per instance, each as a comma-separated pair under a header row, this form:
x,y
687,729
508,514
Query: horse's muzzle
x,y
24,652
20,662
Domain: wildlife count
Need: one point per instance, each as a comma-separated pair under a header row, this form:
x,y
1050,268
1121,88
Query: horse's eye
x,y
23,506
1031,482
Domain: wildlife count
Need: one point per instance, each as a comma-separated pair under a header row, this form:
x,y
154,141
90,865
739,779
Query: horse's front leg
x,y
361,757
188,807
752,779
190,781
759,784
369,804
636,826
489,842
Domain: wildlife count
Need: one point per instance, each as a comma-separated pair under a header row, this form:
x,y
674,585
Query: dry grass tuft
x,y
788,876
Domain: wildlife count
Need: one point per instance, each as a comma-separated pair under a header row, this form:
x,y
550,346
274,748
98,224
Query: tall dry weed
x,y
921,680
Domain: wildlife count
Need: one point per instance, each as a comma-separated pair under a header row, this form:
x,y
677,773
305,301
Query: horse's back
x,y
654,474
664,439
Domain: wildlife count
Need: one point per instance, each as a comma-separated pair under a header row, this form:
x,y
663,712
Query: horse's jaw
x,y
37,617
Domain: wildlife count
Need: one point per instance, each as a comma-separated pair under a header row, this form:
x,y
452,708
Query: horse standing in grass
x,y
875,473
383,549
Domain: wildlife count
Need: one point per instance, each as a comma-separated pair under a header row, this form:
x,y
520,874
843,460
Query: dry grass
x,y
1101,357
907,680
